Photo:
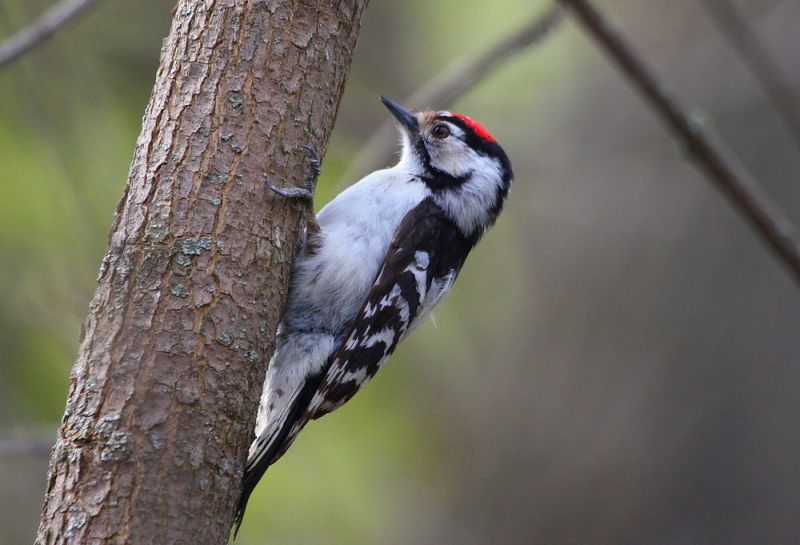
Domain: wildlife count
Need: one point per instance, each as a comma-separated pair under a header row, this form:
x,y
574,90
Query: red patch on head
x,y
479,130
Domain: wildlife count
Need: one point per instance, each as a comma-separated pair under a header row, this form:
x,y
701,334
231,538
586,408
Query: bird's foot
x,y
292,192
302,193
313,160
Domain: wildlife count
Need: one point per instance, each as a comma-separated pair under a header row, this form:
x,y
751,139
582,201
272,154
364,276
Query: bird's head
x,y
467,171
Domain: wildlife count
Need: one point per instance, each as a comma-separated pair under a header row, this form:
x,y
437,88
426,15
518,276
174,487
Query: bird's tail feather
x,y
273,442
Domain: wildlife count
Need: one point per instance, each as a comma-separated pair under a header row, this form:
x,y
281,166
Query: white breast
x,y
357,228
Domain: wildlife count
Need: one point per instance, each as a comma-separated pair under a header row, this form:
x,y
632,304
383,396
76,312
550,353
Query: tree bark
x,y
172,358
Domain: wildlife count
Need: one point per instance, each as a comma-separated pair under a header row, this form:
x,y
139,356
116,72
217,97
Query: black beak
x,y
405,117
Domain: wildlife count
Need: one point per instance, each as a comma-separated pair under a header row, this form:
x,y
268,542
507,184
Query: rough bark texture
x,y
172,358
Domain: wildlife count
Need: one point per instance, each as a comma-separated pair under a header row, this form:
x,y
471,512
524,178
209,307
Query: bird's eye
x,y
441,131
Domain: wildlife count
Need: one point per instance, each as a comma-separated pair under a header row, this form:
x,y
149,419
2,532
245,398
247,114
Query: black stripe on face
x,y
474,141
488,148
480,145
439,181
435,179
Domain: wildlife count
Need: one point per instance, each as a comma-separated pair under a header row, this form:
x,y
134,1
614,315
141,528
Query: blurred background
x,y
619,363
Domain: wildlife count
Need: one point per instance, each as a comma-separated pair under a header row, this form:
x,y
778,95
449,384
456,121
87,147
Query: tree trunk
x,y
164,392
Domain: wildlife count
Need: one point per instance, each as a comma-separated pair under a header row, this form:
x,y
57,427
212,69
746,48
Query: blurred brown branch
x,y
759,61
454,81
719,164
25,446
41,29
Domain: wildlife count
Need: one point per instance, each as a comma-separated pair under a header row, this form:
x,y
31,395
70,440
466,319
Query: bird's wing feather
x,y
420,266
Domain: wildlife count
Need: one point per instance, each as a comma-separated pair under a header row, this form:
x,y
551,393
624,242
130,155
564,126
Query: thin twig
x,y
41,29
721,166
785,101
452,84
25,446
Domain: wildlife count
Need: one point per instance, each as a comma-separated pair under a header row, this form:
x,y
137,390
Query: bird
x,y
375,262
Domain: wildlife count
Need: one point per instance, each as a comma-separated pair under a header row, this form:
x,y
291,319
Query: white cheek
x,y
454,158
470,206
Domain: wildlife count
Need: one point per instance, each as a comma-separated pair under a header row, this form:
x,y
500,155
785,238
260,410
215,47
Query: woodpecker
x,y
378,259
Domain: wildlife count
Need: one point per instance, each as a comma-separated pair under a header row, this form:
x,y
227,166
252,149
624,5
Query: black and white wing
x,y
420,266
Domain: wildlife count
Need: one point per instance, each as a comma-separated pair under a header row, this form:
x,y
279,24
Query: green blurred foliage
x,y
69,116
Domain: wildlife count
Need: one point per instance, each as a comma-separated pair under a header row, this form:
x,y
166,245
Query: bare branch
x,y
452,84
719,164
759,61
40,30
26,446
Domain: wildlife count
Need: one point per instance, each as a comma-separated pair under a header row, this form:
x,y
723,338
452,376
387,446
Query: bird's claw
x,y
292,192
313,160
312,153
302,193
